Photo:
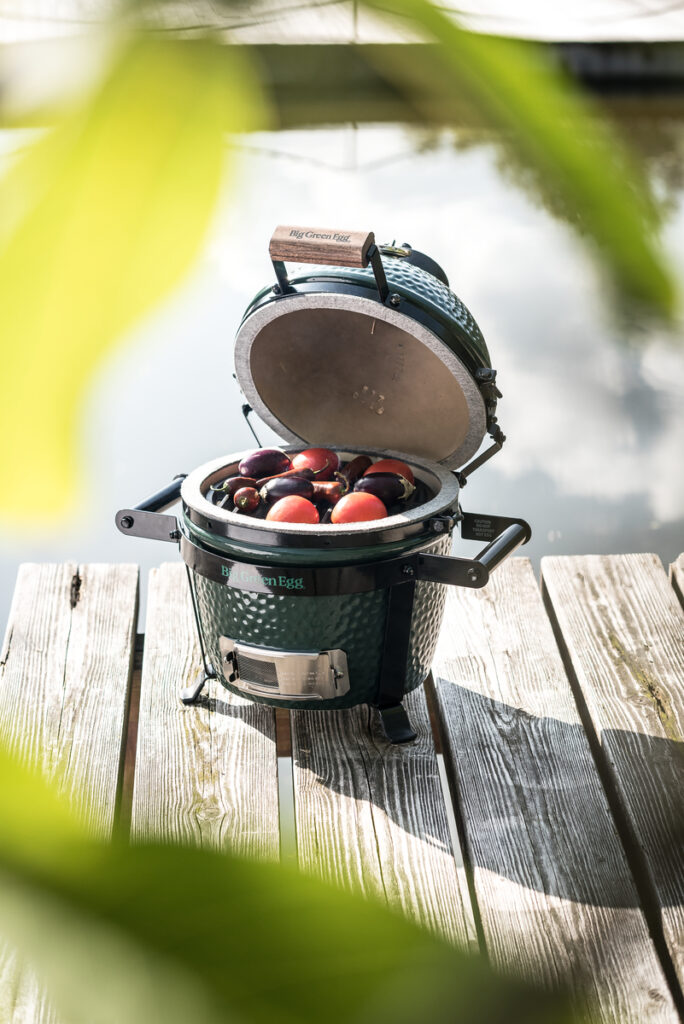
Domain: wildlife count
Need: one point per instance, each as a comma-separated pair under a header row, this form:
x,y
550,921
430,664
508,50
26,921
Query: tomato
x,y
322,461
358,507
392,466
293,509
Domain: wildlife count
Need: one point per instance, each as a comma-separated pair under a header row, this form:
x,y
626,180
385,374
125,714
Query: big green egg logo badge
x,y
249,576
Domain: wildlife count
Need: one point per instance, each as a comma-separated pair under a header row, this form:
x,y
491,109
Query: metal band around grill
x,y
505,536
294,581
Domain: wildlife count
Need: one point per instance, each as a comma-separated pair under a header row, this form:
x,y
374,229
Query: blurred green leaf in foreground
x,y
104,215
547,125
157,933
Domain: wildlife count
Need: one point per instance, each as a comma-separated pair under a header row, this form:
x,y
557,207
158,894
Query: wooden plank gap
x,y
124,805
636,858
453,807
283,733
677,578
286,796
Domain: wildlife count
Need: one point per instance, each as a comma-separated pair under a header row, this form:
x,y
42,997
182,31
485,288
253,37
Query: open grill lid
x,y
382,358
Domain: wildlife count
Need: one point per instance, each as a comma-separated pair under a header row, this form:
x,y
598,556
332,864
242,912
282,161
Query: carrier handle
x,y
145,519
164,497
329,246
475,572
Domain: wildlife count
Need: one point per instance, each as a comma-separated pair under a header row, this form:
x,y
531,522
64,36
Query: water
x,y
593,409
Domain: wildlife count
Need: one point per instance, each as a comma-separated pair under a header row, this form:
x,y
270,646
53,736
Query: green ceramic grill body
x,y
354,623
329,356
283,620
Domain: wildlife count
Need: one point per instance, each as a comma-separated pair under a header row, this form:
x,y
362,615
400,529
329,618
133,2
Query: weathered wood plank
x,y
677,578
556,899
204,774
371,816
64,684
623,634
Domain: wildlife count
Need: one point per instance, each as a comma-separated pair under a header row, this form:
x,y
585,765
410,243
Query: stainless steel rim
x,y
431,473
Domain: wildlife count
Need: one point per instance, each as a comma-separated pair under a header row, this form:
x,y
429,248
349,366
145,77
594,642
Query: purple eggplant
x,y
264,462
389,487
246,499
284,486
233,484
354,469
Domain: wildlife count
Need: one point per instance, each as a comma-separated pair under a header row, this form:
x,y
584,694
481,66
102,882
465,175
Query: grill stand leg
x,y
393,718
396,724
191,694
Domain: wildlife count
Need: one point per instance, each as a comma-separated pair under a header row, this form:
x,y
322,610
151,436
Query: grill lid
x,y
326,362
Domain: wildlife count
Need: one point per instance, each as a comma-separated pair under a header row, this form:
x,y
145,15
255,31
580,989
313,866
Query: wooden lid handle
x,y
321,245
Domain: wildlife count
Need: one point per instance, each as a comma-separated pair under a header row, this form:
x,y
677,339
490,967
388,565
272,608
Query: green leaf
x,y
169,934
106,215
550,127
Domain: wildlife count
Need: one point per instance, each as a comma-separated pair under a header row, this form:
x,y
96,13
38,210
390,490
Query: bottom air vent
x,y
263,673
284,675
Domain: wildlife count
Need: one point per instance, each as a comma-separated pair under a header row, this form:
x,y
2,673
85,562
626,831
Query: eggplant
x,y
388,487
329,490
283,486
354,469
234,483
246,499
303,474
264,462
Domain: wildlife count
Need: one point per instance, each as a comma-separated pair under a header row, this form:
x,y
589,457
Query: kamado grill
x,y
366,352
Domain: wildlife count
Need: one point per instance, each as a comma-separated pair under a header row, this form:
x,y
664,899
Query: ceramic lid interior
x,y
332,368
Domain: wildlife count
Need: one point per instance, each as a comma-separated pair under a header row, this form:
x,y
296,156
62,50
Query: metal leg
x,y
396,724
393,718
190,695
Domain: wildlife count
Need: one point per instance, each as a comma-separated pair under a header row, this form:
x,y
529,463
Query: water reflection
x,y
595,422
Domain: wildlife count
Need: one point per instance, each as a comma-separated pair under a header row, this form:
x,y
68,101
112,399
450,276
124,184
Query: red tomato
x,y
358,507
391,466
322,461
293,509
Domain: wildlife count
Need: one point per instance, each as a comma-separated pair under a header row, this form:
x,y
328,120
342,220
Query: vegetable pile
x,y
316,486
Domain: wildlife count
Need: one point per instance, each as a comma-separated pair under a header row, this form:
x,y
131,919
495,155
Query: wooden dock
x,y
539,816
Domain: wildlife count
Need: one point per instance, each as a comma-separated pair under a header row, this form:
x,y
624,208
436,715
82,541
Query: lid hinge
x,y
443,523
486,380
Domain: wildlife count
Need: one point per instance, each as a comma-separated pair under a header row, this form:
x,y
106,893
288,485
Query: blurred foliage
x,y
106,214
550,128
159,933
